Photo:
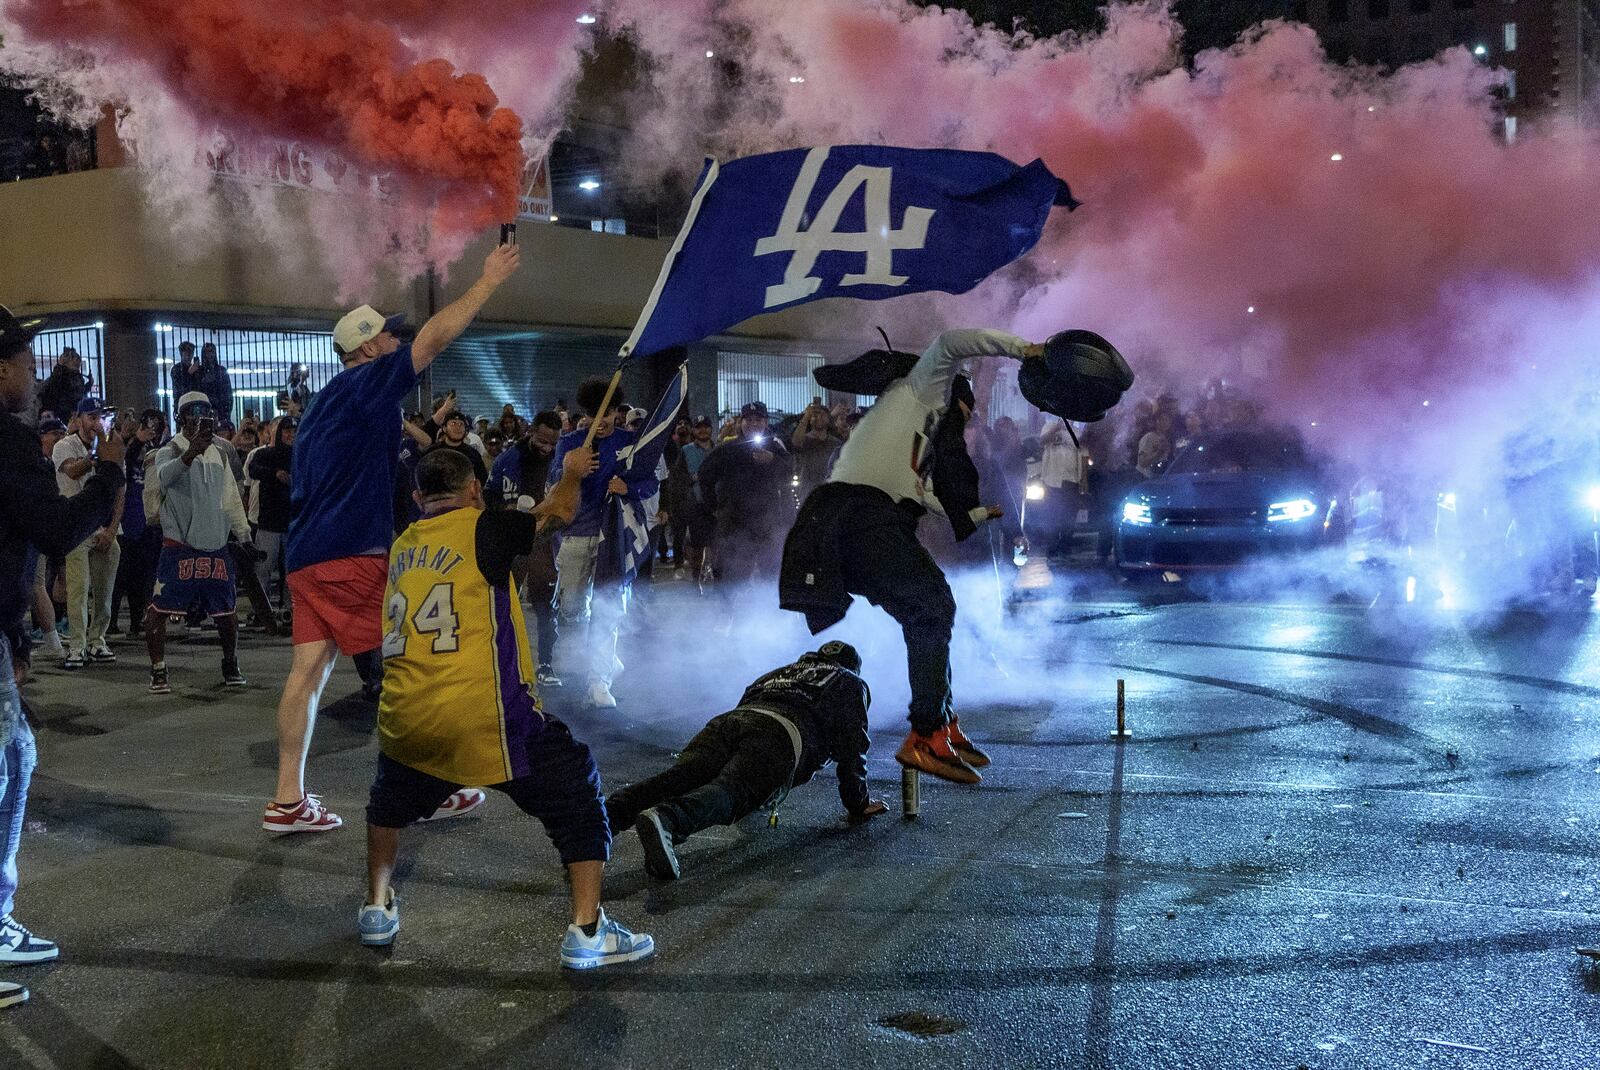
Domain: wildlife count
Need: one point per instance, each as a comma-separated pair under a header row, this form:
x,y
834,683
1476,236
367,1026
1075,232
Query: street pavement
x,y
1337,837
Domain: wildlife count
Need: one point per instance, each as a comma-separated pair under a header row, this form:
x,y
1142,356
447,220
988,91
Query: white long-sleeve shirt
x,y
200,501
887,447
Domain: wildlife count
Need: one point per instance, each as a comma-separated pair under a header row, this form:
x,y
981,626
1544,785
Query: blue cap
x,y
92,405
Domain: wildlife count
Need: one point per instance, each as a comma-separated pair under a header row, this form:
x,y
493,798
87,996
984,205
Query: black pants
x,y
136,576
732,766
883,562
561,789
747,555
537,574
678,528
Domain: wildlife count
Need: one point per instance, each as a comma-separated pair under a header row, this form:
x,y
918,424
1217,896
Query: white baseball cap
x,y
190,398
363,325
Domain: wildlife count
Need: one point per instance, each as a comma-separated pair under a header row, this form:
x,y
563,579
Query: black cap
x,y
754,409
287,421
701,421
15,334
841,654
52,426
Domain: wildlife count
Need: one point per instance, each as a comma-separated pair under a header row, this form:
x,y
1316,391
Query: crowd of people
x,y
402,540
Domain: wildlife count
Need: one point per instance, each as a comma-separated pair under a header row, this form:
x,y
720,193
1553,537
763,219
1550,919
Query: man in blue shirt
x,y
518,481
342,519
589,607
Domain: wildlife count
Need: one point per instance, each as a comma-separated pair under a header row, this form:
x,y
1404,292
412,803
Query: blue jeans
x,y
17,760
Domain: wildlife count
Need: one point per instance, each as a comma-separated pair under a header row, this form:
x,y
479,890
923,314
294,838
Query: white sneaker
x,y
11,995
600,696
51,646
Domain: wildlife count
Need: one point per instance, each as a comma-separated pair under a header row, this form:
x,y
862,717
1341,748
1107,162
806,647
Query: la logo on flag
x,y
877,240
866,221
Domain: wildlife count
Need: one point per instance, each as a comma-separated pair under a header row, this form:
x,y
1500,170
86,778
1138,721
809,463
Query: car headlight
x,y
1035,492
1135,513
1299,509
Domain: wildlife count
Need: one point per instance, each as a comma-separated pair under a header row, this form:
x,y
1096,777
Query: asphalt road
x,y
1334,840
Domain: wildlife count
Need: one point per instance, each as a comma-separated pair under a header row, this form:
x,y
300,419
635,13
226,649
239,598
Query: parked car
x,y
1225,500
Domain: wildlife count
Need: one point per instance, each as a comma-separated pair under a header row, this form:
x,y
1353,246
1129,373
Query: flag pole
x,y
708,175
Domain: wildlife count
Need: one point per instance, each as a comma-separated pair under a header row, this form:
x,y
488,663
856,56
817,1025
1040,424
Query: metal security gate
x,y
781,380
258,362
531,371
89,343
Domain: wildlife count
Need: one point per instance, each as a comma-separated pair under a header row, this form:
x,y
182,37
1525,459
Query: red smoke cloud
x,y
338,76
1390,275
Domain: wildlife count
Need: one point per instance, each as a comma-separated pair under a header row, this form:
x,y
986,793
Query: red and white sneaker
x,y
462,802
307,815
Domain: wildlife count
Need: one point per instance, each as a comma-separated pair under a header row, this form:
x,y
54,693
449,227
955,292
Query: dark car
x,y
1225,500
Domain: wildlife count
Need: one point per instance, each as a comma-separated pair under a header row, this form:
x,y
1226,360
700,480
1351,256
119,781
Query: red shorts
x,y
340,600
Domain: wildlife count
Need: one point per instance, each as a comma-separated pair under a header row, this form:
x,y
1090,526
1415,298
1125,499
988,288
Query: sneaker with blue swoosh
x,y
611,943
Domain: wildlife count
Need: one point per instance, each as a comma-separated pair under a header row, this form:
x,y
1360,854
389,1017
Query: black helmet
x,y
841,654
16,334
1080,376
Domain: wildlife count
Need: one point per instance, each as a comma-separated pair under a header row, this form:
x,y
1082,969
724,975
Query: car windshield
x,y
1241,453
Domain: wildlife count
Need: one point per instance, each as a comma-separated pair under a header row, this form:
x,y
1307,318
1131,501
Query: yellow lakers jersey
x,y
458,693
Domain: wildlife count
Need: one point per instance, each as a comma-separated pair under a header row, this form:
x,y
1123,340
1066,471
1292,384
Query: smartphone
x,y
508,234
208,425
816,399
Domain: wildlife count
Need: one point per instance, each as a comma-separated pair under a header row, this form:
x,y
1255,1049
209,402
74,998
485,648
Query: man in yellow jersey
x,y
459,707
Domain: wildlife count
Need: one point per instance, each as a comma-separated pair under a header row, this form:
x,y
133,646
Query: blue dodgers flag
x,y
628,526
868,221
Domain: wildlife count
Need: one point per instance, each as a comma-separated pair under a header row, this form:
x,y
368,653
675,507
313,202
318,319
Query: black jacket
x,y
955,477
811,580
747,496
61,393
35,517
272,512
829,706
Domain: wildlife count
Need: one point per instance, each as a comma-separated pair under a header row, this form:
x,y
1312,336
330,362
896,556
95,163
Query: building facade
x,y
1550,49
119,287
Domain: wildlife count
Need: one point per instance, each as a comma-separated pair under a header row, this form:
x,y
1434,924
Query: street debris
x,y
1451,1044
920,1024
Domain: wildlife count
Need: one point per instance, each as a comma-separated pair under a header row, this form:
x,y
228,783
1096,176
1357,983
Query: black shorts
x,y
561,789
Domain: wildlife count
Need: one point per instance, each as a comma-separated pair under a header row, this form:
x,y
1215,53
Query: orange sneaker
x,y
932,754
964,747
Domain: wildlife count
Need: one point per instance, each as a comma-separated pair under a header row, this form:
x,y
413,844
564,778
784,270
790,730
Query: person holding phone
x,y
200,507
815,442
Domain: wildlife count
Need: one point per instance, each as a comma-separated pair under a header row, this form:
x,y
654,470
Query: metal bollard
x,y
910,792
1122,713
